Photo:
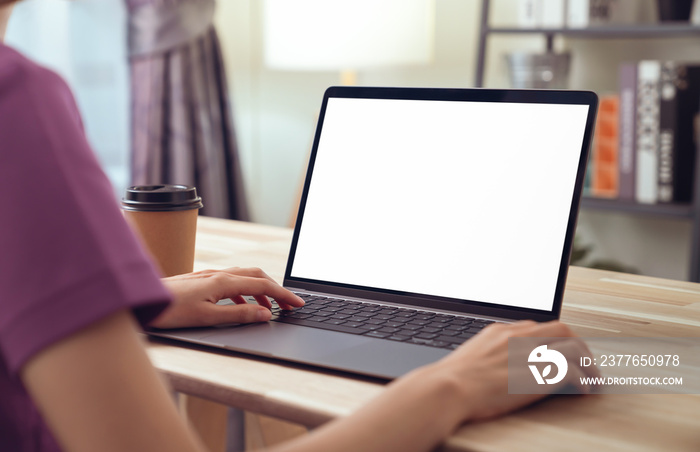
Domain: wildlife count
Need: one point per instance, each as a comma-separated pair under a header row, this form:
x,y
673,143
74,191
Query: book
x,y
687,131
647,127
679,99
627,131
668,97
605,169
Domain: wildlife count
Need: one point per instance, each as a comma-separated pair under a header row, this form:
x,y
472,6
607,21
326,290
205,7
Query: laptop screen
x,y
468,200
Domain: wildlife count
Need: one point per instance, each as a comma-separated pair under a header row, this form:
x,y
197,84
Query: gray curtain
x,y
181,125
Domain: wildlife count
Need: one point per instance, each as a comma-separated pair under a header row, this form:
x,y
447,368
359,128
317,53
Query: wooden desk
x,y
596,303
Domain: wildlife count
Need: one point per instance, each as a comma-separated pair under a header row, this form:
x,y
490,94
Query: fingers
x,y
258,273
212,314
252,272
573,349
237,282
238,299
263,301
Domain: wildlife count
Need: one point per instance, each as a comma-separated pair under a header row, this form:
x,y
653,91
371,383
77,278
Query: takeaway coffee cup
x,y
165,218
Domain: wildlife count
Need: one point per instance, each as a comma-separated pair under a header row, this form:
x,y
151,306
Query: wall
x,y
275,113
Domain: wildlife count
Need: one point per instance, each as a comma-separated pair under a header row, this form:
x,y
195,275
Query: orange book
x,y
605,170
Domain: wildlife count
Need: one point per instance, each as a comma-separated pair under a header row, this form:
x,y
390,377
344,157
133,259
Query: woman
x,y
75,286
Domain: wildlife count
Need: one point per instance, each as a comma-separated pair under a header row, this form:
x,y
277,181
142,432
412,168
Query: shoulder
x,y
39,118
27,87
19,72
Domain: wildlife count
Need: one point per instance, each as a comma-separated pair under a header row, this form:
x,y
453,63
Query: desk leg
x,y
208,419
262,431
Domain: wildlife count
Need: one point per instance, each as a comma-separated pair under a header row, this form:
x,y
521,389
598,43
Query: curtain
x,y
181,124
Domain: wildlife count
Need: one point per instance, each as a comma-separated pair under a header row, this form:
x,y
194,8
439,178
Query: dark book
x,y
627,131
679,104
668,98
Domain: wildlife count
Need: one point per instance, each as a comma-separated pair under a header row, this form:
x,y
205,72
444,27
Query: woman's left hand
x,y
196,294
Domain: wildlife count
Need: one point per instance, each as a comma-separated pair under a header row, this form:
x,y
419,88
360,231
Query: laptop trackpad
x,y
284,341
376,357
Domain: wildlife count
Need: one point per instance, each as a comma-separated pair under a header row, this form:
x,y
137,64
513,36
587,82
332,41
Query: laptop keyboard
x,y
382,322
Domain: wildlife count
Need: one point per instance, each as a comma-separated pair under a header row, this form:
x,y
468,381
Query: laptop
x,y
426,215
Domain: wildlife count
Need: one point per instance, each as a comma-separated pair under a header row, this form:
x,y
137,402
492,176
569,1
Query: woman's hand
x,y
480,366
196,294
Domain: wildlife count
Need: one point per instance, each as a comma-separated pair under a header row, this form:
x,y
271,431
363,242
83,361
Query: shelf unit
x,y
685,212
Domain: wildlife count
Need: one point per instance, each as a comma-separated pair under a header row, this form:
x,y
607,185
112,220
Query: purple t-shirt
x,y
67,257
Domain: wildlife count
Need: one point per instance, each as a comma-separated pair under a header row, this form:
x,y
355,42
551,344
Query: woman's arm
x,y
98,391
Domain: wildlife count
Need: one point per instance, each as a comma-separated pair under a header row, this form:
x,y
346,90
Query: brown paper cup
x,y
165,219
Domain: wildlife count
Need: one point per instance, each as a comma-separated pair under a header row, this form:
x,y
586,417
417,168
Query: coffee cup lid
x,y
161,198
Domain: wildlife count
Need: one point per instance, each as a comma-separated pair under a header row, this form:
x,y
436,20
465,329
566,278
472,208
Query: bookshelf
x,y
684,212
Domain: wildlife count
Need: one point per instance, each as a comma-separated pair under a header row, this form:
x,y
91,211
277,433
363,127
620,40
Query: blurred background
x,y
274,102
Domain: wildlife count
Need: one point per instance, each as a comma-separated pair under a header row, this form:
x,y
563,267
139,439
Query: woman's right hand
x,y
480,366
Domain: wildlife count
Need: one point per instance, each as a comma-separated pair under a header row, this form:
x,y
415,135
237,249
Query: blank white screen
x,y
467,200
